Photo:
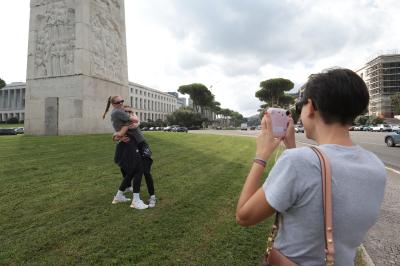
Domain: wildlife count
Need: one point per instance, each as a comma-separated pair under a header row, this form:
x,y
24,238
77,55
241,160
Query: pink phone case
x,y
279,121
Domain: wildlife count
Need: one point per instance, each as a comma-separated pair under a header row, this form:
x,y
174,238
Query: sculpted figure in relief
x,y
106,59
55,42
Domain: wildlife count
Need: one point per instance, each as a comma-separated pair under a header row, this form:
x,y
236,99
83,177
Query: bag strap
x,y
326,177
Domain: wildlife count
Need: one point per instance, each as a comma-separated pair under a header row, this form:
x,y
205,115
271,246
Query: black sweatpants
x,y
128,158
135,176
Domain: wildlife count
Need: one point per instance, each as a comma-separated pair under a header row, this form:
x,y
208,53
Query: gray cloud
x,y
274,32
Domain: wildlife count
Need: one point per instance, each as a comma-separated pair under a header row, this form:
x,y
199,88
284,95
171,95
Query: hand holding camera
x,y
276,125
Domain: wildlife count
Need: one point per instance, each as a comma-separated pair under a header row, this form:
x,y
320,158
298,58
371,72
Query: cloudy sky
x,y
230,45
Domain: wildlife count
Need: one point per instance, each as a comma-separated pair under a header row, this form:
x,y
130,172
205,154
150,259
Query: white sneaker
x,y
119,199
129,189
138,204
152,202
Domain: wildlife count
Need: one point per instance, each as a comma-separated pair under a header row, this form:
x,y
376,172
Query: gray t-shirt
x,y
120,118
293,188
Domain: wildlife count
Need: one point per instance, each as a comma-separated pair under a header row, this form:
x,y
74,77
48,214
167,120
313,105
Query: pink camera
x,y
280,120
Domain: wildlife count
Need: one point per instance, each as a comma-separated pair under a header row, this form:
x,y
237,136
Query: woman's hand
x,y
289,140
125,139
266,142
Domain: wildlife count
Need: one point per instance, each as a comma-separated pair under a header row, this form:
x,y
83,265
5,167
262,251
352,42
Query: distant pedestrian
x,y
329,104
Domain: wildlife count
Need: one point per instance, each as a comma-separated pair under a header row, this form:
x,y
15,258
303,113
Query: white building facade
x,y
150,104
12,101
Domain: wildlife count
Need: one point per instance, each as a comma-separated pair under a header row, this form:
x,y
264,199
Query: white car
x,y
299,129
395,127
381,128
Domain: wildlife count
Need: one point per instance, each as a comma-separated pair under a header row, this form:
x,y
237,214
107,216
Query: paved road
x,y
372,141
383,240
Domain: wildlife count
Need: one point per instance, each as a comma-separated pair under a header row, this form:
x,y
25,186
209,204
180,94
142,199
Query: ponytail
x,y
107,107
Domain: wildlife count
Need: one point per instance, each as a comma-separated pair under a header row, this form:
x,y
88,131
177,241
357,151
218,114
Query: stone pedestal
x,y
76,60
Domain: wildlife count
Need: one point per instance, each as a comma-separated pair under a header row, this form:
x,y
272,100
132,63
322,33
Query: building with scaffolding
x,y
382,76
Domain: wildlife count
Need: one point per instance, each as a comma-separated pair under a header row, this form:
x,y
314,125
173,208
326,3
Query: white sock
x,y
136,196
120,193
152,196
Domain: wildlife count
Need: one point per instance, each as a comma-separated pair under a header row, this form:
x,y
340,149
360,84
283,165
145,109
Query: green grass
x,y
56,194
11,125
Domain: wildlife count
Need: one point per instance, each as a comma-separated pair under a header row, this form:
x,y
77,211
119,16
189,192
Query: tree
x,y
396,103
272,91
374,120
2,83
361,120
12,120
236,118
200,95
185,117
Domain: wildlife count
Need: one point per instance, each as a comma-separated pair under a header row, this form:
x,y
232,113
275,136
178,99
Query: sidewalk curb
x,y
367,261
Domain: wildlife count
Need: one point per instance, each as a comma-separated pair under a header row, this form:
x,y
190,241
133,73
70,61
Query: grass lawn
x,y
56,194
11,125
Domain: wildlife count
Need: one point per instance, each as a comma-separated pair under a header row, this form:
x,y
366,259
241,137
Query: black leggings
x,y
137,177
147,162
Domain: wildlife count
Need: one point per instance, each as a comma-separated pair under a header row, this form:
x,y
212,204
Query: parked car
x,y
181,129
299,129
259,127
366,128
19,130
395,127
243,126
218,128
144,128
381,128
174,128
8,131
392,139
252,128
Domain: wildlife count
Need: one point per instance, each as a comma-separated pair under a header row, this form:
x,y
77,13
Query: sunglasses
x,y
299,105
119,102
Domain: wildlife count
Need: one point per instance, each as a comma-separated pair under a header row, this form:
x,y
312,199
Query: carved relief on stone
x,y
107,54
55,40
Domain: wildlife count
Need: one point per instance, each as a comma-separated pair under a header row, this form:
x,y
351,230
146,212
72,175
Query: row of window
x,y
6,116
14,99
151,105
153,95
145,117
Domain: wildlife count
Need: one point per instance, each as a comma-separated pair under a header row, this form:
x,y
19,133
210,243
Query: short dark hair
x,y
339,94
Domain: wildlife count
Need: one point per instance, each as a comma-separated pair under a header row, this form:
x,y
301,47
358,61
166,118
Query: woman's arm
x,y
253,206
122,131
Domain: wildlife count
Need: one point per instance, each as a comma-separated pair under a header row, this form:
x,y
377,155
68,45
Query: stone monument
x,y
76,60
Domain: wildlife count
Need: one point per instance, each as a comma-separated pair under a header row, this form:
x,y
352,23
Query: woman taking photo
x,y
330,102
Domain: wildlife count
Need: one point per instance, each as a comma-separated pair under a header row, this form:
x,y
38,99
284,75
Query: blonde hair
x,y
109,101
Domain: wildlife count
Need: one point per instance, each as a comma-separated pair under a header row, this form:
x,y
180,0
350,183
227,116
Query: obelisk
x,y
76,59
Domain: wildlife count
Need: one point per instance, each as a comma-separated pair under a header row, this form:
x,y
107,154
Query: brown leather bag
x,y
273,257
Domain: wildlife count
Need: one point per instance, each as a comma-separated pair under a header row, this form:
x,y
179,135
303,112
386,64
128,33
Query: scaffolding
x,y
383,80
